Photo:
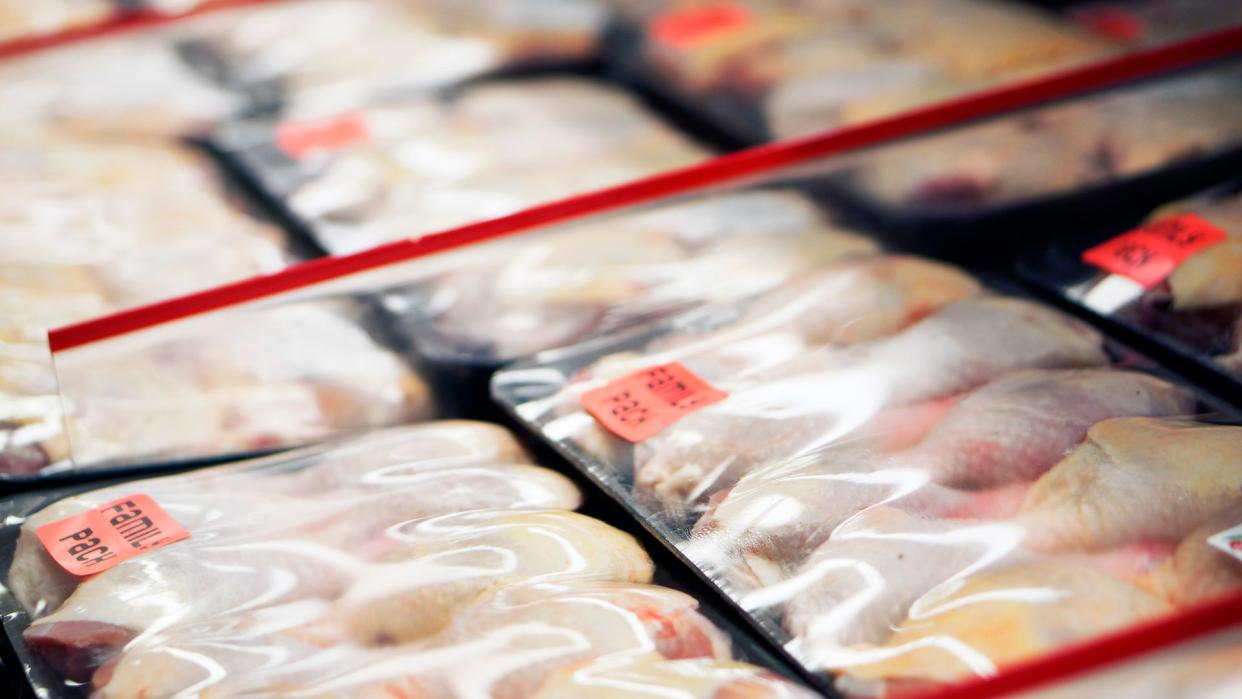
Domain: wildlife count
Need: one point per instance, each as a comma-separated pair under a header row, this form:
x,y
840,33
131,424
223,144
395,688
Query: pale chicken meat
x,y
845,303
443,562
1198,571
656,677
22,20
494,148
1006,433
821,396
1199,305
512,639
860,584
82,235
285,529
253,379
1054,150
1135,479
537,292
1001,616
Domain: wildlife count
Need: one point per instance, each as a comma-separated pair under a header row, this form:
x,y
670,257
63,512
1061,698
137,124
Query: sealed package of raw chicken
x,y
92,225
228,61
425,561
425,164
1146,22
1173,281
1108,154
777,69
541,291
907,479
23,19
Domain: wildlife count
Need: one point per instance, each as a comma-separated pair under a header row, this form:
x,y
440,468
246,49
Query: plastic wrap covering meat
x,y
1061,149
908,481
91,225
424,165
386,565
257,379
187,75
23,19
131,83
1155,21
350,52
1205,668
543,291
1184,294
804,66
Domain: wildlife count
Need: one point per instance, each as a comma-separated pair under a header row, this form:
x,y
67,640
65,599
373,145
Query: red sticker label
x,y
695,25
1150,254
297,138
638,406
95,541
1113,22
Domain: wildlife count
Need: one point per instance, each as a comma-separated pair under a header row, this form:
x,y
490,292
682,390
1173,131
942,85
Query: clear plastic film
x,y
1203,668
429,561
1060,150
90,225
803,66
188,74
296,366
424,164
907,478
1186,296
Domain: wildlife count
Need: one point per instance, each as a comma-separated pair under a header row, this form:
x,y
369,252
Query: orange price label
x,y
297,138
686,27
1149,254
95,541
638,406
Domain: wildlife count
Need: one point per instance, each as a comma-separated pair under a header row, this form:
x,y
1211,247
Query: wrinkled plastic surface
x,y
543,291
186,75
257,379
429,561
1053,151
429,164
1202,669
1197,309
93,225
804,66
913,481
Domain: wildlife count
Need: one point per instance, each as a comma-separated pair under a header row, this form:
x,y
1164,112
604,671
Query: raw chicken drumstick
x,y
1135,479
822,395
1008,431
999,617
511,639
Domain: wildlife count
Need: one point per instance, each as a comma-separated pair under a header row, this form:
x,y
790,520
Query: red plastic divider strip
x,y
990,102
1096,654
121,21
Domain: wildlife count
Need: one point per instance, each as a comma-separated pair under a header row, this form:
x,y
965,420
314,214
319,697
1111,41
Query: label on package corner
x,y
689,26
96,540
1229,541
298,138
638,406
1149,254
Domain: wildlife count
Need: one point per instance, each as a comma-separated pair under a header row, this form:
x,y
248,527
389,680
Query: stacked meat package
x,y
428,561
427,164
802,66
907,477
1192,304
864,472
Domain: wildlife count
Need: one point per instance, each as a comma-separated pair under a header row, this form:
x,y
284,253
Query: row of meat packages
x,y
908,478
